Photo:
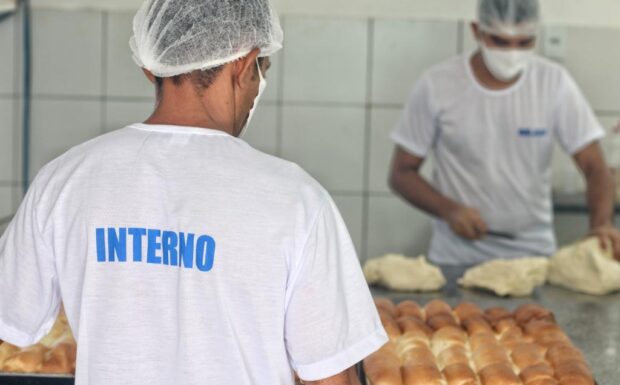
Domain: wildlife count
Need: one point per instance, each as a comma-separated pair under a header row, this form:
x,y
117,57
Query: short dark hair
x,y
202,80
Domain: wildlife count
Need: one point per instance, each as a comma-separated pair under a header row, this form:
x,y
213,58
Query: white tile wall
x,y
328,142
67,52
396,227
274,79
124,77
7,130
262,133
325,60
592,57
351,208
123,113
314,110
7,206
58,125
403,50
7,58
382,123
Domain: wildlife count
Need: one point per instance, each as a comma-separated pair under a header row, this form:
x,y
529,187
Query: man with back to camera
x,y
490,120
182,255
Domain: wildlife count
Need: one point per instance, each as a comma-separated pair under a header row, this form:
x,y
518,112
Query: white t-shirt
x,y
184,256
492,150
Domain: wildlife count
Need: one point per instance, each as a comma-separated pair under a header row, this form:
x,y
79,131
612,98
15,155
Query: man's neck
x,y
485,77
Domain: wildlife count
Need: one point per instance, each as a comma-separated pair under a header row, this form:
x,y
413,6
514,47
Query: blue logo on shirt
x,y
162,247
532,132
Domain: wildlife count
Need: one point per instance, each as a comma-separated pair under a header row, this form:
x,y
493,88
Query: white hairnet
x,y
174,37
509,17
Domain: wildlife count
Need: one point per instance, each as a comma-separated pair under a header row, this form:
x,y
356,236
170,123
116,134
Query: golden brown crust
x,y
482,339
441,321
467,310
437,307
6,351
421,375
453,356
475,325
418,355
383,366
410,309
538,372
527,354
460,374
490,355
526,313
496,314
412,324
390,325
504,324
387,306
498,374
28,360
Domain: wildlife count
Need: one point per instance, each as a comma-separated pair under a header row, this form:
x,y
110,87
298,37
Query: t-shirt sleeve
x,y
576,124
331,322
29,292
417,129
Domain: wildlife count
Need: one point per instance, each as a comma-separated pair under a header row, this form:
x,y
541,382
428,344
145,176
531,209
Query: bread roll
x,y
6,351
475,325
460,374
540,371
28,360
504,324
453,356
529,312
422,375
383,367
390,325
447,337
562,353
387,306
437,307
410,309
527,354
412,324
498,374
441,321
490,355
482,339
548,381
467,310
496,314
419,356
573,372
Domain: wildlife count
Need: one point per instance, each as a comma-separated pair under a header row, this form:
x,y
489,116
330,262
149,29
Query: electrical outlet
x,y
555,43
7,6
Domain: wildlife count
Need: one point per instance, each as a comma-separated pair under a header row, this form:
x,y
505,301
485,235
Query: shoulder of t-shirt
x,y
549,72
452,68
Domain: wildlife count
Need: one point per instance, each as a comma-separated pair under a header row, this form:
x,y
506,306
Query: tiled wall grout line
x,y
367,140
104,69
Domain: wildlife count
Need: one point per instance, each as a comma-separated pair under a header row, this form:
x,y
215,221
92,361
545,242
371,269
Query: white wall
x,y
571,12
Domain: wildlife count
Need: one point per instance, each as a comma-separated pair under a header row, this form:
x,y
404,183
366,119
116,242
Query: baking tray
x,y
30,379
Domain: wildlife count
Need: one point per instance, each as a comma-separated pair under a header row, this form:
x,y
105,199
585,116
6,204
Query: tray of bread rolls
x,y
438,345
51,361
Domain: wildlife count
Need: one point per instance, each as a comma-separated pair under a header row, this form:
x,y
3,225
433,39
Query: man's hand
x,y
609,236
466,222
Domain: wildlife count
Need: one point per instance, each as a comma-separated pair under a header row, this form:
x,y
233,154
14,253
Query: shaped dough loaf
x,y
513,277
397,272
585,267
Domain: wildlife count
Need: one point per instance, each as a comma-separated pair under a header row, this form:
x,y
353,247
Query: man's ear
x,y
244,69
149,75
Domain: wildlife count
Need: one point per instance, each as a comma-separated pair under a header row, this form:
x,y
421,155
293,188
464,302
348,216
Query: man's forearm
x,y
600,195
417,191
348,377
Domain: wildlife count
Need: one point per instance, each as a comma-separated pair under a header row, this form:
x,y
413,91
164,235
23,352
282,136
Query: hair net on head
x,y
509,17
174,37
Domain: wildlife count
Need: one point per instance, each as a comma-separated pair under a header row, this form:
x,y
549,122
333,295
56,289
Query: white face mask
x,y
506,65
261,89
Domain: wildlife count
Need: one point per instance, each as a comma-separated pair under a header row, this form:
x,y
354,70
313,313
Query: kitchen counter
x,y
593,323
